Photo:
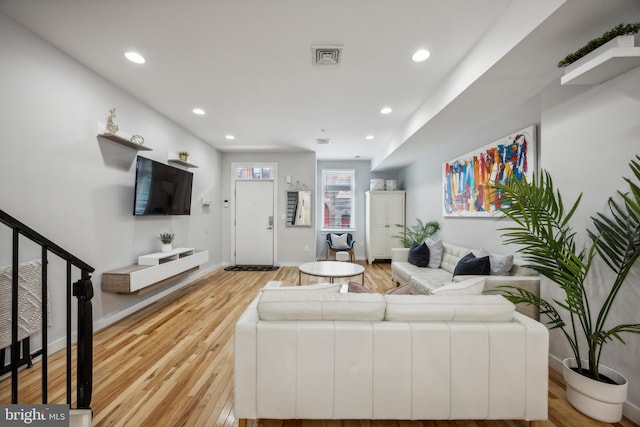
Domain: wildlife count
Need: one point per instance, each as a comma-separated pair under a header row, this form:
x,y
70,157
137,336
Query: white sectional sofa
x,y
321,354
423,280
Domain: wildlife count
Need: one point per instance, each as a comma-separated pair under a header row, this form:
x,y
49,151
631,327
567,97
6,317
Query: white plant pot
x,y
595,399
167,247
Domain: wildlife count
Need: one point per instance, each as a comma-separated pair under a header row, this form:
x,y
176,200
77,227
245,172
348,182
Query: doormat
x,y
251,268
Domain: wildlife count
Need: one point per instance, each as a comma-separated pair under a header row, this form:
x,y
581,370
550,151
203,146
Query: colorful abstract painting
x,y
467,182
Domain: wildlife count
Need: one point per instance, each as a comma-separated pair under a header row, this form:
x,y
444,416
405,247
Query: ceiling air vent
x,y
323,140
326,55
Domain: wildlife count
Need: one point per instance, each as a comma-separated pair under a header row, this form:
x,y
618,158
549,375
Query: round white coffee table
x,y
330,269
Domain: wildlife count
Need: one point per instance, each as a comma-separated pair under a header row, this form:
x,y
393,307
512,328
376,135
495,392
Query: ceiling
x,y
248,63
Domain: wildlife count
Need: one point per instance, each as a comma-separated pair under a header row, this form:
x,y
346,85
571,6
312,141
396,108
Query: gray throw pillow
x,y
436,251
500,264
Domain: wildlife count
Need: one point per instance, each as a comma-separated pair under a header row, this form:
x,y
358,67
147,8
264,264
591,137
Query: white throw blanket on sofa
x,y
29,301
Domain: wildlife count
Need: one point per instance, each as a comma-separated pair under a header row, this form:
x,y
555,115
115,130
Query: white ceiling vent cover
x,y
323,140
326,55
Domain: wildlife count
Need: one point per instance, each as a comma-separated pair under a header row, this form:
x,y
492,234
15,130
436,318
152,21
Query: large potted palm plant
x,y
541,227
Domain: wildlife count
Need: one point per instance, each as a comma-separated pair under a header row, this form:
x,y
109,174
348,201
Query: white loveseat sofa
x,y
423,280
327,355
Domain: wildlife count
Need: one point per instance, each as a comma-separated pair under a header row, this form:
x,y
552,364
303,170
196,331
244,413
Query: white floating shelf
x,y
182,163
120,140
609,60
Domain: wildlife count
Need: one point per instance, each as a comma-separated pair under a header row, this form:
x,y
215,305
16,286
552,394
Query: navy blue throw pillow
x,y
470,265
419,254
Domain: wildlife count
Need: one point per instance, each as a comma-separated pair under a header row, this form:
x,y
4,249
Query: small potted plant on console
x,y
167,240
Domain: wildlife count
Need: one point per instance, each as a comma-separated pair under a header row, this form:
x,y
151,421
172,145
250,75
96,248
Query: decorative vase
x,y
167,247
598,400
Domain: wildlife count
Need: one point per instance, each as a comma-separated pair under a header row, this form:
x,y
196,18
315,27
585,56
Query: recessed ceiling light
x,y
230,137
386,110
420,55
135,57
198,111
369,137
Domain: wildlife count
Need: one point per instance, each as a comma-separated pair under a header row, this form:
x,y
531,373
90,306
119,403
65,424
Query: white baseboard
x,y
629,410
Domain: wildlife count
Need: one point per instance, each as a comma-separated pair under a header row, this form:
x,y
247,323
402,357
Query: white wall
x,y
423,179
59,179
598,128
291,242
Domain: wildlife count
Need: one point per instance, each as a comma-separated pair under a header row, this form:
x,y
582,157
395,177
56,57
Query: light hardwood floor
x,y
171,364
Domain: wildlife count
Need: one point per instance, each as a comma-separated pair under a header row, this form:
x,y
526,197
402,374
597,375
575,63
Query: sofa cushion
x,y
419,254
469,265
500,264
320,306
316,287
425,280
473,286
436,250
451,255
448,308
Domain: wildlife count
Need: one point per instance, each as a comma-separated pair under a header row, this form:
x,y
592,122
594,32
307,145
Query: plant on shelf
x,y
184,155
417,233
167,238
547,243
618,30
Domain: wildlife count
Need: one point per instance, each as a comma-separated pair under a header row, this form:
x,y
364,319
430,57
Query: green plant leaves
x,y
541,227
416,233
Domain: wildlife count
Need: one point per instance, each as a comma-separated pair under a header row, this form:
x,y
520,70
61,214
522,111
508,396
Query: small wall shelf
x,y
182,163
119,140
153,270
613,58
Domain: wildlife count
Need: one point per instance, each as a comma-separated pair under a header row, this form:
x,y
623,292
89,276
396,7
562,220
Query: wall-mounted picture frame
x,y
468,180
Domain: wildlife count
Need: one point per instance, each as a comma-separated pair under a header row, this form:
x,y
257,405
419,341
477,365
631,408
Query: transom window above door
x,y
247,172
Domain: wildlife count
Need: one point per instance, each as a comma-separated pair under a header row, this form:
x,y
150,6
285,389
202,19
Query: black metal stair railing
x,y
82,290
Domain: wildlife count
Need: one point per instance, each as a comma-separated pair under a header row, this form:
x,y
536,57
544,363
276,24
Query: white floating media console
x,y
153,269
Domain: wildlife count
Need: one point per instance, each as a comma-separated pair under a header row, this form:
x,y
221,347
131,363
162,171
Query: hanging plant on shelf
x,y
618,30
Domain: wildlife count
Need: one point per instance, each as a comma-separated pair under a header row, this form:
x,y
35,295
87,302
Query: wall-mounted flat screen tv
x,y
161,189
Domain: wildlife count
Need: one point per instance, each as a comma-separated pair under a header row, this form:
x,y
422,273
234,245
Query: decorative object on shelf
x,y
167,240
111,127
468,181
391,185
184,155
298,186
417,233
547,242
138,139
618,30
376,184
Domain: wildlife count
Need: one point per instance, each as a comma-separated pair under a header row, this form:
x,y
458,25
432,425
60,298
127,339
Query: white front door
x,y
254,222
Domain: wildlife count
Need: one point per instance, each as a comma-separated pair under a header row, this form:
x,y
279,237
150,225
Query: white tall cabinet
x,y
384,209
